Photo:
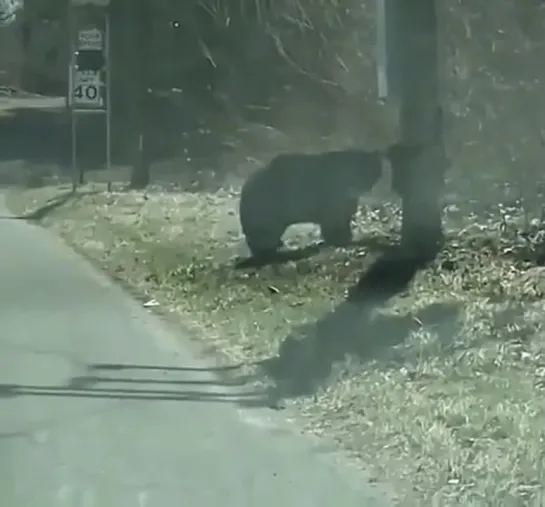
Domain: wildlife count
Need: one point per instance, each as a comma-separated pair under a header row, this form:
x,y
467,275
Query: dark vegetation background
x,y
235,82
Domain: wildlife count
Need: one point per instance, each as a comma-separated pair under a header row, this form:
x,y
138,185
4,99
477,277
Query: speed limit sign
x,y
87,90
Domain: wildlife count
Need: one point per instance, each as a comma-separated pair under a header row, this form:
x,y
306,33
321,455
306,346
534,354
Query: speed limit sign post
x,y
89,72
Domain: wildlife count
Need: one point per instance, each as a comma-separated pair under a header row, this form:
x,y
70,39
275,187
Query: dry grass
x,y
443,388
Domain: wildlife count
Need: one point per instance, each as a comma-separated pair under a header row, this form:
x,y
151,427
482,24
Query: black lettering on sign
x,y
86,91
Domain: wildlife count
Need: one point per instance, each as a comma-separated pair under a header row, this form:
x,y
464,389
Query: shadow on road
x,y
124,366
40,213
54,203
18,390
223,390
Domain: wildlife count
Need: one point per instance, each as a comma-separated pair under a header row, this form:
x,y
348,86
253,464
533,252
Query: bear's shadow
x,y
355,327
285,255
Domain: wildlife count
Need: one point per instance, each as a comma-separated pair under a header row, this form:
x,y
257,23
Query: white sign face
x,y
86,91
90,39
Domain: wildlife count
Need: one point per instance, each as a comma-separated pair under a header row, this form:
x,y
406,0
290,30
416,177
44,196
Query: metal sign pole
x,y
108,102
73,137
75,172
89,78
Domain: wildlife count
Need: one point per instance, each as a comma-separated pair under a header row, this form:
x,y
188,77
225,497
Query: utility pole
x,y
409,73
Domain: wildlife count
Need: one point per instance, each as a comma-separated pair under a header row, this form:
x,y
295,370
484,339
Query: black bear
x,y
323,189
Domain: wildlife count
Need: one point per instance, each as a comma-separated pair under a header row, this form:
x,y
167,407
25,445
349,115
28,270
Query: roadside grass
x,y
441,386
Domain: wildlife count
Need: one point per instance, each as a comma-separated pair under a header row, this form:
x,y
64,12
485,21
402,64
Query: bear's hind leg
x,y
337,234
264,243
336,225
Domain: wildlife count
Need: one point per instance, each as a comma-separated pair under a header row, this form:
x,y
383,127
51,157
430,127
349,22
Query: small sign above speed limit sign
x,y
90,39
87,90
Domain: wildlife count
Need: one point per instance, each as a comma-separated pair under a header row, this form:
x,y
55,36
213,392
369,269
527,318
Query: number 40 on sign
x,y
87,90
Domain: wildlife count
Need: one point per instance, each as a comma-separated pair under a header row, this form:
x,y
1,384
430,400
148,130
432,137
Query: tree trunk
x,y
140,174
422,173
421,188
138,109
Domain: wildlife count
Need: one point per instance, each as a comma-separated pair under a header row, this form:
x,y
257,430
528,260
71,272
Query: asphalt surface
x,y
102,405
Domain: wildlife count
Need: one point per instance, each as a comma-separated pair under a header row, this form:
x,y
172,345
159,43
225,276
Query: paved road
x,y
79,429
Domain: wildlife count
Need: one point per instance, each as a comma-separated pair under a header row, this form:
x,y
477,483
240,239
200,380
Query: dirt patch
x,y
437,379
